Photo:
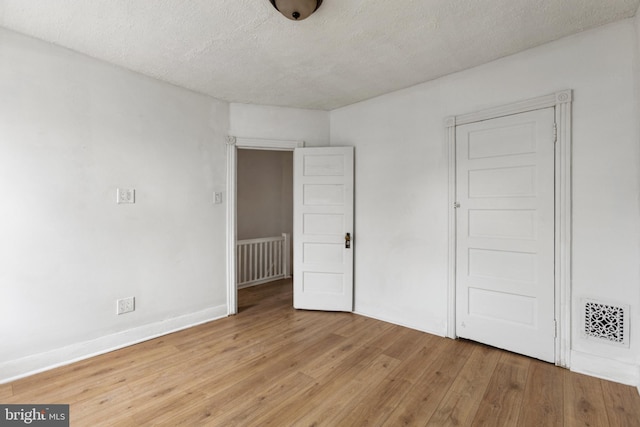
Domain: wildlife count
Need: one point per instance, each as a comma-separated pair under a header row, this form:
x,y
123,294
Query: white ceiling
x,y
348,51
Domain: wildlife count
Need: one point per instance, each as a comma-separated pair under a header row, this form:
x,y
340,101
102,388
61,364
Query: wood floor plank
x,y
543,396
622,405
381,400
352,325
275,367
425,395
332,360
461,402
246,412
330,384
583,401
405,347
198,364
6,392
502,401
332,380
232,376
236,385
163,410
353,392
241,329
103,405
271,365
301,342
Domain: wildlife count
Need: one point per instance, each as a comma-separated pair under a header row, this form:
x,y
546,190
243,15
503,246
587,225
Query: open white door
x,y
323,228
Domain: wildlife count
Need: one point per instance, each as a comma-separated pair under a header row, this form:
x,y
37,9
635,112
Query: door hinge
x,y
555,329
555,133
456,205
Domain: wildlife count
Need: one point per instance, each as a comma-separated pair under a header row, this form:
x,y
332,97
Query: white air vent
x,y
606,322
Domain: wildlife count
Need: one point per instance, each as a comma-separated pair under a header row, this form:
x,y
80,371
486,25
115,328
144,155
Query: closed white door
x,y
323,228
505,233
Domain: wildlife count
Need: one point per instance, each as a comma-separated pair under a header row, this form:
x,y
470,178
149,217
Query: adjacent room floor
x,y
273,365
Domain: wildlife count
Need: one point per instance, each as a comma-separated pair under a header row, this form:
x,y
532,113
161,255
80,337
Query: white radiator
x,y
262,260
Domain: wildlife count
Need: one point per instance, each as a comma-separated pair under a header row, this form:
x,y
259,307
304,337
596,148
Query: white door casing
x,y
561,102
505,233
323,228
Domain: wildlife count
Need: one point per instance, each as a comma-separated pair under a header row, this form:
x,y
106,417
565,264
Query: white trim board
x,y
30,365
562,102
605,368
233,144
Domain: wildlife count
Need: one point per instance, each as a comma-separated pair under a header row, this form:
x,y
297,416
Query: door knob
x,y
347,240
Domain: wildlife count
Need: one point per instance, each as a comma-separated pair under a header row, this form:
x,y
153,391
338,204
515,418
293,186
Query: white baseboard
x,y
605,368
29,365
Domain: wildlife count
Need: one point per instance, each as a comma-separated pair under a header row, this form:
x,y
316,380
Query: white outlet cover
x,y
125,305
126,195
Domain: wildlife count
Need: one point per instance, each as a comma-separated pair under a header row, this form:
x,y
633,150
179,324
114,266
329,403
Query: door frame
x,y
562,102
233,144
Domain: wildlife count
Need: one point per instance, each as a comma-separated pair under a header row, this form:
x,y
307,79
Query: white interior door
x,y
505,233
323,228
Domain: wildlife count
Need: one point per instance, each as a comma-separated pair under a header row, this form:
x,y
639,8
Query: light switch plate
x,y
217,197
126,195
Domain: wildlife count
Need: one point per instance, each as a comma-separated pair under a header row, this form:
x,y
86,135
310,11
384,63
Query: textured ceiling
x,y
349,50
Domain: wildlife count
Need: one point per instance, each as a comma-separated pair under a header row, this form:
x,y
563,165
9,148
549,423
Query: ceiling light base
x,y
296,10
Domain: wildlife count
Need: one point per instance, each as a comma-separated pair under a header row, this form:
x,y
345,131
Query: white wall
x,y
265,193
279,123
72,130
401,183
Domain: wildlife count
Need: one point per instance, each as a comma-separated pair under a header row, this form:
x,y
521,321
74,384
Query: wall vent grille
x,y
606,322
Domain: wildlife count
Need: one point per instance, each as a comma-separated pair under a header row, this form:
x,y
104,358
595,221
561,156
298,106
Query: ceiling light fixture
x,y
296,10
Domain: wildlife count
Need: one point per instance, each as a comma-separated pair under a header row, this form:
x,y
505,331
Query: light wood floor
x,y
273,366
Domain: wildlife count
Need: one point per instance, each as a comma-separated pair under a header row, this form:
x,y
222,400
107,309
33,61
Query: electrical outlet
x,y
125,195
126,305
217,197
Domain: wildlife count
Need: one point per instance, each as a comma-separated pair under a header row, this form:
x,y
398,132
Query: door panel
x,y
505,233
323,215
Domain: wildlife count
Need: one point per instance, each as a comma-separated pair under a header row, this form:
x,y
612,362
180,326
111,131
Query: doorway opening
x,y
245,152
264,208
